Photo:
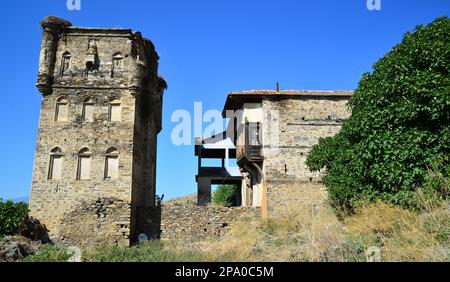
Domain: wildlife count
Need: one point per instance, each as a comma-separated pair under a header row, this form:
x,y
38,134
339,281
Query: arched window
x,y
62,109
55,167
84,164
112,164
65,62
115,110
88,110
117,63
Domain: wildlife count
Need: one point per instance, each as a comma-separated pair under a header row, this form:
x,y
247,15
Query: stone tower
x,y
95,160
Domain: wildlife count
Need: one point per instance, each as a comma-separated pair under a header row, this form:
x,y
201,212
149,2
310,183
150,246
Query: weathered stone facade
x,y
302,121
104,221
191,222
272,158
195,223
100,116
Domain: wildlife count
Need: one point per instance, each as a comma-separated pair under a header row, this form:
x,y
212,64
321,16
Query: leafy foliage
x,y
225,195
152,251
49,253
12,215
399,129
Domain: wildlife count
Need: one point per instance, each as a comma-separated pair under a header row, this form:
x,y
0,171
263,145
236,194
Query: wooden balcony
x,y
253,153
253,148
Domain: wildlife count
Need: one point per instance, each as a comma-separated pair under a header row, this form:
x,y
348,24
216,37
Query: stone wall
x,y
51,198
196,223
191,223
287,197
302,122
105,220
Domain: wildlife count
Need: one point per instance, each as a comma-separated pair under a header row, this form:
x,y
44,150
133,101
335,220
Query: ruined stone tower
x,y
95,159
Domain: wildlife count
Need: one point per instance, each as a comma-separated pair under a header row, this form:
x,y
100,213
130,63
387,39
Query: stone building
x,y
273,132
99,120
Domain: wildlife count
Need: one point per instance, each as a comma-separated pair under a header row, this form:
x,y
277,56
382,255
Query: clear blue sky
x,y
207,48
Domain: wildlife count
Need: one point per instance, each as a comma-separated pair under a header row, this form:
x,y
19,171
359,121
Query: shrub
x,y
401,235
152,251
12,215
399,127
225,195
49,253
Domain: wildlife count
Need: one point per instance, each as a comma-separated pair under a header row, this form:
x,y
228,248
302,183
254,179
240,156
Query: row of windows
x,y
117,63
111,170
88,109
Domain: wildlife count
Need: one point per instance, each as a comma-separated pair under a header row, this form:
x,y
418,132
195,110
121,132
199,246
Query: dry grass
x,y
182,201
308,234
311,234
402,235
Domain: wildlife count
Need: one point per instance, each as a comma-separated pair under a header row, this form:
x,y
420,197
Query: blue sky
x,y
207,48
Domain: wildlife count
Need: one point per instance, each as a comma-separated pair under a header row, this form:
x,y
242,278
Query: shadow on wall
x,y
33,229
148,222
105,220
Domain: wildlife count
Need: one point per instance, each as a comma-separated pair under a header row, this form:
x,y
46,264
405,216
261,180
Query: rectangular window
x,y
112,168
88,112
115,112
62,112
55,171
84,168
254,134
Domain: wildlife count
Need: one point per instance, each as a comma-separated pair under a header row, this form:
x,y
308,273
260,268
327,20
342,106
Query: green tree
x,y
225,195
12,215
399,128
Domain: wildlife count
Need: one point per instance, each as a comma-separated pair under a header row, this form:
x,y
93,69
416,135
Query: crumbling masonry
x,y
95,161
100,116
272,132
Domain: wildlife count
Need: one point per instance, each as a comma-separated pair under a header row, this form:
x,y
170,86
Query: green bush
x,y
399,127
49,253
435,188
152,251
225,195
12,215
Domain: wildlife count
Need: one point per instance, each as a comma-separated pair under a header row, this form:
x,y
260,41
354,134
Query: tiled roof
x,y
235,99
295,92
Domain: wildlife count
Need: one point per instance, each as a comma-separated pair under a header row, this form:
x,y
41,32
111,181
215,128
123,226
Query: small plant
x,y
225,195
436,186
49,253
152,251
12,215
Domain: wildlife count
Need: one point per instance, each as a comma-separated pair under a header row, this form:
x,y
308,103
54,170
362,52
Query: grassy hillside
x,y
310,234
